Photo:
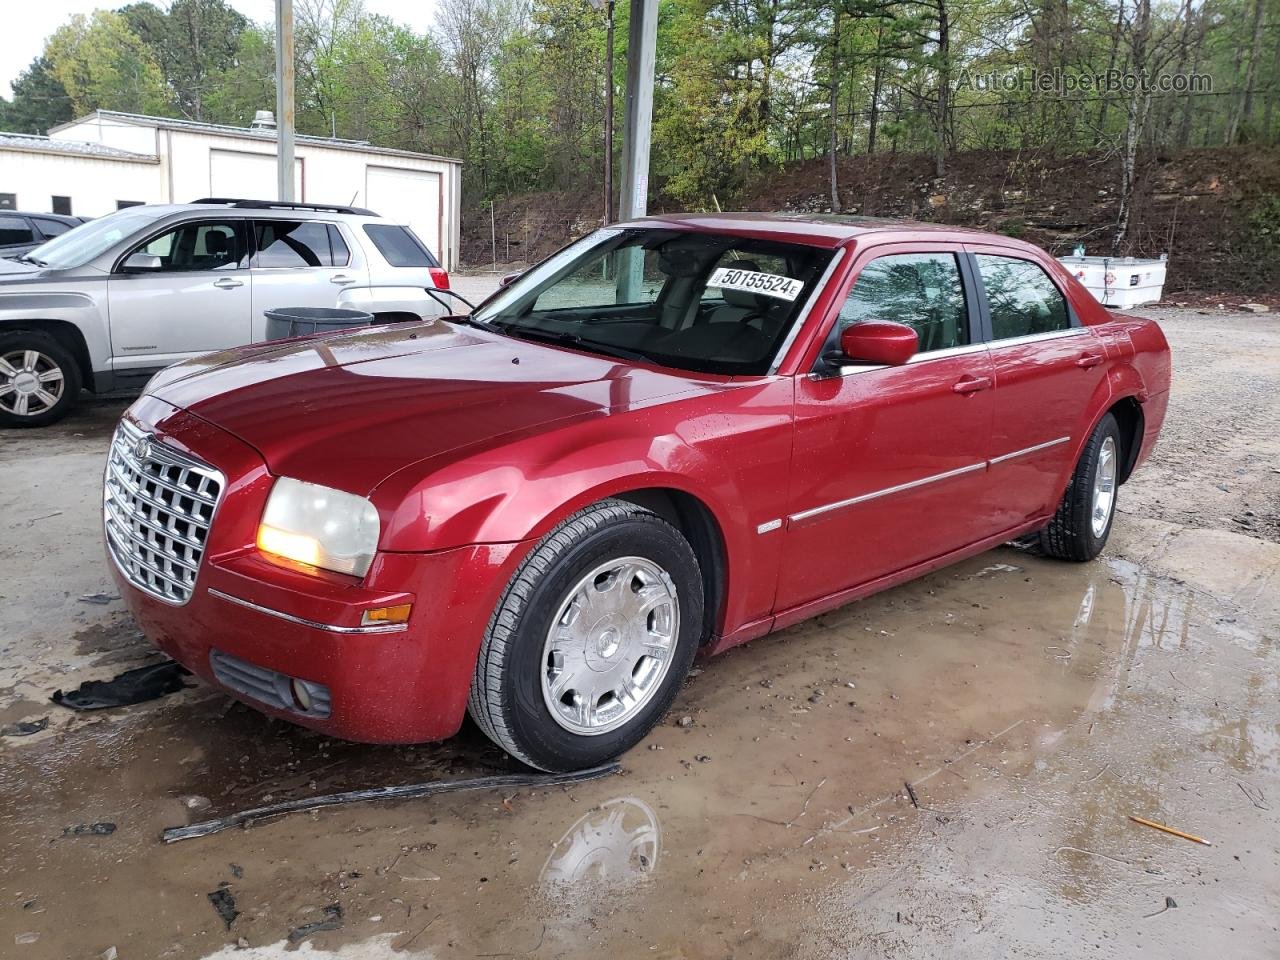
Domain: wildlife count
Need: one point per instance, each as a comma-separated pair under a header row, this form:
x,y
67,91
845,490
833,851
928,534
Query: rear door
x,y
889,460
1046,366
181,292
300,263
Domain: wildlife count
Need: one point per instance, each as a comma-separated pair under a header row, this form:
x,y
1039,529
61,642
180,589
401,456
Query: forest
x,y
745,88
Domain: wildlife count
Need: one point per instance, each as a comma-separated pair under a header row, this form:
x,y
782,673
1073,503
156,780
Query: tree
x,y
193,42
103,65
39,101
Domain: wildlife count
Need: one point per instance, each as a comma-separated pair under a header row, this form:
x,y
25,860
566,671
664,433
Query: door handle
x,y
341,278
228,283
1087,360
972,384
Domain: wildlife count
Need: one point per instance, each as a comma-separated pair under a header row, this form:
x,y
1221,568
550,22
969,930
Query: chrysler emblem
x,y
142,449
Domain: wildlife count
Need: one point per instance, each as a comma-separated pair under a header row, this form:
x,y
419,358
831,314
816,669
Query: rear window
x,y
399,246
15,230
300,243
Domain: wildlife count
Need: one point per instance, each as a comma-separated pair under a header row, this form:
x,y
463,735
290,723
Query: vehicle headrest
x,y
215,243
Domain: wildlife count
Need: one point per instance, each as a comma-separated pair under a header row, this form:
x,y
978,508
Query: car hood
x,y
18,269
349,410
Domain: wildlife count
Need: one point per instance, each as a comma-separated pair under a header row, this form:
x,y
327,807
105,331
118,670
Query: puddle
x,y
1032,706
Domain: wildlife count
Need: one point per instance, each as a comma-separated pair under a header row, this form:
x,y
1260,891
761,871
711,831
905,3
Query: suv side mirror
x,y
509,279
140,262
876,341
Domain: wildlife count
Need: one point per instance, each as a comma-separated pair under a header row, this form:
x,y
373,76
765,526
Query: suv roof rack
x,y
282,205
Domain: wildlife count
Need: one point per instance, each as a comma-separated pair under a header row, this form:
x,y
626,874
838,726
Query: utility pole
x,y
608,113
642,42
633,198
284,100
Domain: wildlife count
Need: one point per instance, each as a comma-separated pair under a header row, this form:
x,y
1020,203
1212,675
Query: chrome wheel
x,y
610,645
1104,487
31,383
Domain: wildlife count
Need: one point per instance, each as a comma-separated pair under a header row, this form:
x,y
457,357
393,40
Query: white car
x,y
106,305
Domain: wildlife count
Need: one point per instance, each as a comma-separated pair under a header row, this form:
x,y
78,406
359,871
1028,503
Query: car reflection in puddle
x,y
615,845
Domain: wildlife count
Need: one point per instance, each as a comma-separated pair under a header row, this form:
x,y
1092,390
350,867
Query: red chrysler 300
x,y
674,435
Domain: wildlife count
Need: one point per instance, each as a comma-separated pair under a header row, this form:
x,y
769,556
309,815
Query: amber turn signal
x,y
386,615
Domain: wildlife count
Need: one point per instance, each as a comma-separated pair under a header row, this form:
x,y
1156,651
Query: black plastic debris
x,y
409,791
24,728
332,921
225,904
103,828
132,686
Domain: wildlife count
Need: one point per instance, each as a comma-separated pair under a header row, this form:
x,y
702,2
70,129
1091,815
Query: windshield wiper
x,y
572,339
27,258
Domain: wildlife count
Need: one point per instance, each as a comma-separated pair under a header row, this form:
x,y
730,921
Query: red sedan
x,y
673,436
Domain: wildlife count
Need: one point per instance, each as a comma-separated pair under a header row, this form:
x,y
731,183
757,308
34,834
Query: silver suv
x,y
106,305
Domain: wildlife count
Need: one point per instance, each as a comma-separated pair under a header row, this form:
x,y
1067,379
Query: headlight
x,y
320,527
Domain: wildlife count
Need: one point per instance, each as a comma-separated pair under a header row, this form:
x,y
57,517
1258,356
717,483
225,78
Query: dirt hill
x,y
1216,212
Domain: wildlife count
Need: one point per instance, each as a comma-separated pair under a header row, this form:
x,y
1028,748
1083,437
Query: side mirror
x,y
140,262
509,279
876,341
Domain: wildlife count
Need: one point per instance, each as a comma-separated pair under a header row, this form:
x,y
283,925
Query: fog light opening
x,y
301,695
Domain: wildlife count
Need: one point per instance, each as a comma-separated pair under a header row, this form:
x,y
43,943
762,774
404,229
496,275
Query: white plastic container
x,y
1119,281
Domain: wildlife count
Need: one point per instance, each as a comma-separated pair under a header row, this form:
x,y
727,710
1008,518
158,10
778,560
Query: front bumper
x,y
251,626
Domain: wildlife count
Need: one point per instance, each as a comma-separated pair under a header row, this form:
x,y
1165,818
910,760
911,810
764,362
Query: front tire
x,y
1080,528
39,379
592,639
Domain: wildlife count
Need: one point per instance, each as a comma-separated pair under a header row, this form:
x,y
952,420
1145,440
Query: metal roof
x,y
226,130
75,148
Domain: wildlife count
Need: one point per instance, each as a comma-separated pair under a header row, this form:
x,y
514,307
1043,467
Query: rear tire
x,y
591,641
39,379
1080,528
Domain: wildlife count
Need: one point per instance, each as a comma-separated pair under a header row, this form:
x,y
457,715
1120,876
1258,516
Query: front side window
x,y
298,243
198,246
15,230
1022,298
922,290
714,303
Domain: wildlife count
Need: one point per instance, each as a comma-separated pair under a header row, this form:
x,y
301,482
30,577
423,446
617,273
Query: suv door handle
x,y
1087,360
971,384
341,278
228,283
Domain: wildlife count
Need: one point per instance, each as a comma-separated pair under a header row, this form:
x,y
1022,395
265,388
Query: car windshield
x,y
707,302
82,244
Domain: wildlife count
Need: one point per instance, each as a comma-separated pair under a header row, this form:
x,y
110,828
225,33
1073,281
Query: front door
x,y
889,461
181,293
1047,367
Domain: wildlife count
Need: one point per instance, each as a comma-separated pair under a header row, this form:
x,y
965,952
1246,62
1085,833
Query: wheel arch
x,y
696,521
66,333
1132,423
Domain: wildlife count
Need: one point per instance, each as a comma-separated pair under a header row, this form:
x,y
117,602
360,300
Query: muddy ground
x,y
1031,706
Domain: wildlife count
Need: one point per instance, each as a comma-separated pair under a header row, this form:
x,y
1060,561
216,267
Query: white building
x,y
107,160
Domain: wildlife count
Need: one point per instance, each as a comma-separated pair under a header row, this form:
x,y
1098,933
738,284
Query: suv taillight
x,y
440,277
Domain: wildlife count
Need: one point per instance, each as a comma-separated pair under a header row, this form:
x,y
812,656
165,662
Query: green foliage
x,y
39,101
1264,221
103,65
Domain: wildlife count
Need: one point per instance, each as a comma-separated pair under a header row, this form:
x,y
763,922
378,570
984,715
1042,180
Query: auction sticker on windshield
x,y
768,284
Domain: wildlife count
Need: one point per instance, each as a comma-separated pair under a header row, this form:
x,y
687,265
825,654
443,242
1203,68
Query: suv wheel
x,y
592,639
39,379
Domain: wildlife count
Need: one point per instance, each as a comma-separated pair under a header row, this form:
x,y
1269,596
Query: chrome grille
x,y
157,504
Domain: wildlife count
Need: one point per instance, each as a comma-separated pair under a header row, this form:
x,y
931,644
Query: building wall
x,y
94,184
195,163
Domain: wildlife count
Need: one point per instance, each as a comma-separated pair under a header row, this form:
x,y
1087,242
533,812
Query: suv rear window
x,y
300,243
15,230
399,245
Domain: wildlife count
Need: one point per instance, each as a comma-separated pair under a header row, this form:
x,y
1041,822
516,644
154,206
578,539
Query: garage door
x,y
407,196
247,176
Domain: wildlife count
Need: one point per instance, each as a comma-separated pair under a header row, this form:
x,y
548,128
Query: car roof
x,y
259,213
816,229
64,217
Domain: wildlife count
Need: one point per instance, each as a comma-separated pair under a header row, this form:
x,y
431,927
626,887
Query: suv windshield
x,y
90,239
713,303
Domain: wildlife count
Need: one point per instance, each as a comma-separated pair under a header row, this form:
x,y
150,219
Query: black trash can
x,y
285,322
